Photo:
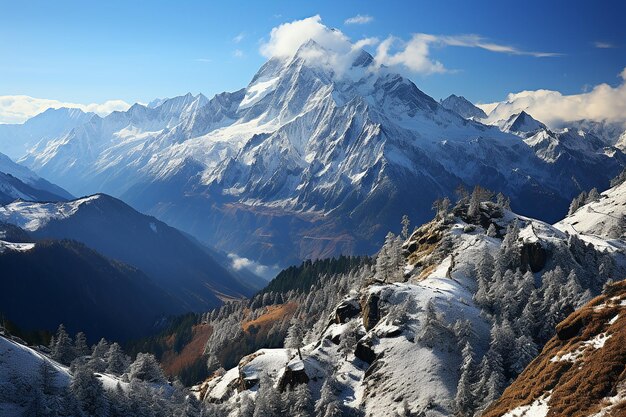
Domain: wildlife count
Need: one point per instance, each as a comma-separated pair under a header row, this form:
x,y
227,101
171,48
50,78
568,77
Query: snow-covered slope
x,y
603,218
305,162
425,337
463,107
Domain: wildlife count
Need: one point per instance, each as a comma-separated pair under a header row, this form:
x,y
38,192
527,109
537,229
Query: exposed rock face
x,y
534,255
365,351
293,375
582,370
347,310
371,312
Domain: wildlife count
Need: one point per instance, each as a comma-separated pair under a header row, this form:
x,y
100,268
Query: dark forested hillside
x,y
67,282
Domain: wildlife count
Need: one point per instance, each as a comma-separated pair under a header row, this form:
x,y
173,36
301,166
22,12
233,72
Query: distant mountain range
x,y
306,162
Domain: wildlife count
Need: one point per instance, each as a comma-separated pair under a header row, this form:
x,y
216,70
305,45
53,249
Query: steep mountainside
x,y
581,371
307,161
439,327
174,262
51,282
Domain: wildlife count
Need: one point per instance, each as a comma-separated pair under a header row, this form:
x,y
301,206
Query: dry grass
x,y
273,314
578,389
173,363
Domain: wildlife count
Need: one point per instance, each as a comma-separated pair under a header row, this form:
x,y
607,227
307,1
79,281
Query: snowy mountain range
x,y
308,161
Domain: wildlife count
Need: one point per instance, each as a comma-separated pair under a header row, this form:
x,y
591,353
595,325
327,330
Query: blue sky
x,y
88,52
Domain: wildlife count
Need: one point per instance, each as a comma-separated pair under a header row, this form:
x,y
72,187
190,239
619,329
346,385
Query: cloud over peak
x,y
413,55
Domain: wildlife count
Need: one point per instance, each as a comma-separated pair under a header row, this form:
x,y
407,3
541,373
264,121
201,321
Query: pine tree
x,y
295,335
146,368
492,231
303,405
90,393
348,339
405,227
327,396
526,350
63,350
80,345
464,399
117,361
268,400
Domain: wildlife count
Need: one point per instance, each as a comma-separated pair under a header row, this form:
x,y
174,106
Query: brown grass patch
x,y
273,314
173,363
578,388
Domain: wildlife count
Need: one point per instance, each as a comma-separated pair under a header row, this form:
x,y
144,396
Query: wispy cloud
x,y
415,54
238,53
239,37
203,60
477,41
359,19
18,109
603,45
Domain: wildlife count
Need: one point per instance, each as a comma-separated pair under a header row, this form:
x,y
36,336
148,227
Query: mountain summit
x,y
315,157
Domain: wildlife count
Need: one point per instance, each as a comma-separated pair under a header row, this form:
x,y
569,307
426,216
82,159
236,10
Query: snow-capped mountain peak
x,y
523,123
463,107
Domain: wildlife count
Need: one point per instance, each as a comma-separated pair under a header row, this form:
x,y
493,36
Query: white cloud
x,y
603,45
285,39
603,102
414,55
238,53
18,109
238,263
477,41
239,37
203,60
359,20
340,51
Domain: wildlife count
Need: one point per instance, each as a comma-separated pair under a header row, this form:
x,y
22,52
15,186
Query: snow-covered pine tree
x,y
146,368
116,359
80,345
464,399
63,350
90,393
295,335
268,400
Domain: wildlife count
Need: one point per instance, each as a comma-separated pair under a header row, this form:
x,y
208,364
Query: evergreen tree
x,y
90,394
268,400
464,399
63,350
117,361
146,368
80,345
295,335
303,404
405,227
348,339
